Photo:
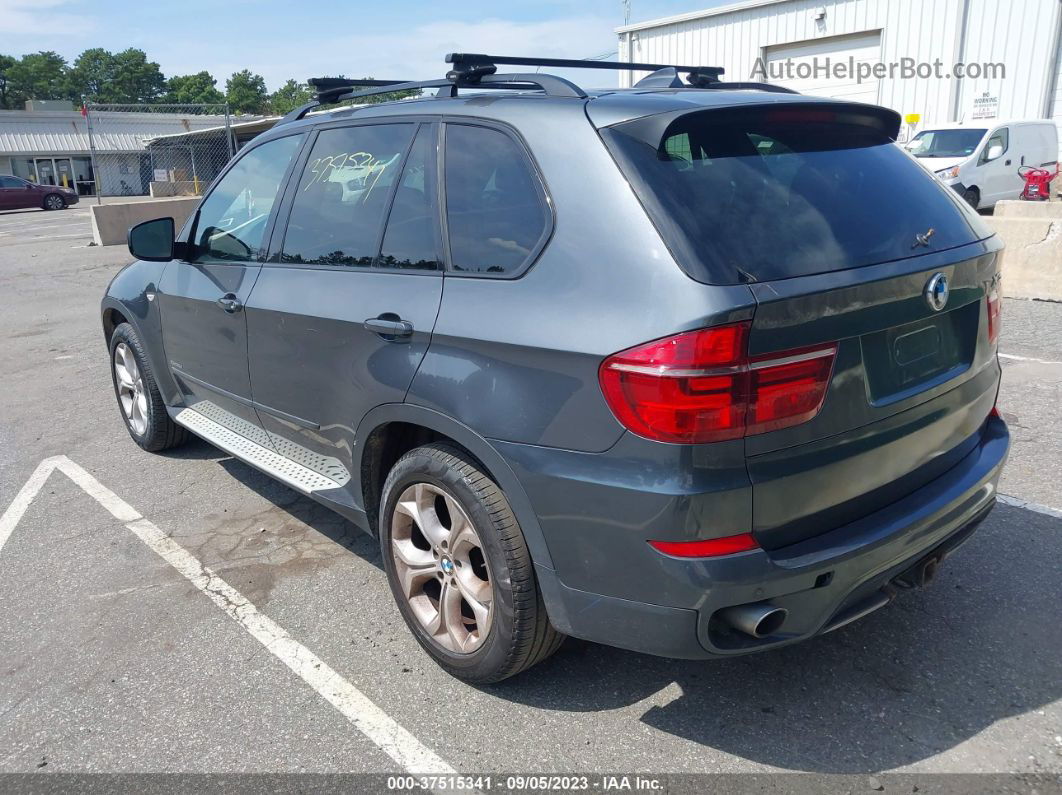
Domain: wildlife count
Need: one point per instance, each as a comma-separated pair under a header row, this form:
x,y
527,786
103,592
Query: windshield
x,y
945,143
758,194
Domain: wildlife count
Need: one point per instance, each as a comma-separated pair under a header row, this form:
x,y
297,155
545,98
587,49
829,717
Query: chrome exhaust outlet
x,y
758,620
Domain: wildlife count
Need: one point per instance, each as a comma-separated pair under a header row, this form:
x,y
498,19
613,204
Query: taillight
x,y
995,312
702,386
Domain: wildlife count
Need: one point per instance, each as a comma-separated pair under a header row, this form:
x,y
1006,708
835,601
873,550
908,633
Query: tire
x,y
972,196
139,400
445,488
53,201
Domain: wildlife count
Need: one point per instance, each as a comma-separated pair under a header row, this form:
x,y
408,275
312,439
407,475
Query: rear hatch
x,y
843,240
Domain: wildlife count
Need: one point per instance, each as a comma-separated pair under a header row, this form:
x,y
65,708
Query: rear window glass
x,y
766,193
495,210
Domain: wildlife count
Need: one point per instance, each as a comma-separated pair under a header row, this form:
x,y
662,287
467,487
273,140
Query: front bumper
x,y
824,582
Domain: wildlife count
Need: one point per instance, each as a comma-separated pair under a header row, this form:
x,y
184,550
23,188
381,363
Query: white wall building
x,y
51,146
1023,36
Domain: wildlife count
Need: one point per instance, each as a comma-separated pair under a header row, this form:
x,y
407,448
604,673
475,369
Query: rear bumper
x,y
824,582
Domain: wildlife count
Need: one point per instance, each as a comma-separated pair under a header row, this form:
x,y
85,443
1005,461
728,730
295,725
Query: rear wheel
x,y
53,201
972,196
459,568
138,395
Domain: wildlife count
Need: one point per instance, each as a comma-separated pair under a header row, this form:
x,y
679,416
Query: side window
x,y
496,213
233,218
11,182
1000,138
412,226
337,214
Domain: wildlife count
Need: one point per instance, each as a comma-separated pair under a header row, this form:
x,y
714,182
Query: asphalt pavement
x,y
114,658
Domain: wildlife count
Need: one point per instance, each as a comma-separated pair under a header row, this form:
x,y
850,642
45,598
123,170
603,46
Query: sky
x,y
389,39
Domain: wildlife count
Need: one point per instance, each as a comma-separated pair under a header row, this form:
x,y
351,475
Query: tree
x,y
126,77
246,92
199,88
136,79
288,97
39,75
6,62
92,75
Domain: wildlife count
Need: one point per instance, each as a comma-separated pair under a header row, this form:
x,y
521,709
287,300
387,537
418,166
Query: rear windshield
x,y
759,194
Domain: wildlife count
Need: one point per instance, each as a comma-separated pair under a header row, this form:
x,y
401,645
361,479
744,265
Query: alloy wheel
x,y
54,202
131,394
441,568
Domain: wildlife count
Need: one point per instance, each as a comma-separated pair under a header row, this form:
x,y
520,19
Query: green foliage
x,y
6,62
136,79
199,88
288,97
129,78
246,92
39,75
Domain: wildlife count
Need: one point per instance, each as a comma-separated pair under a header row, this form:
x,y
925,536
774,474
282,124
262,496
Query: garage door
x,y
804,56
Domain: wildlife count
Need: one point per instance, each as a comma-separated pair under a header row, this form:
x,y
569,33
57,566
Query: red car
x,y
16,193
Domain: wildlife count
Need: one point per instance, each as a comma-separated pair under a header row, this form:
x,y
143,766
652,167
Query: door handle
x,y
389,326
230,303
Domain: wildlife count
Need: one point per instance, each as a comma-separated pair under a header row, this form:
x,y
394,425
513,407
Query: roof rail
x,y
332,89
668,78
477,70
468,65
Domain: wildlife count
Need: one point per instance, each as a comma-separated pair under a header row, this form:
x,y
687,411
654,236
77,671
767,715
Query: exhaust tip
x,y
771,622
759,620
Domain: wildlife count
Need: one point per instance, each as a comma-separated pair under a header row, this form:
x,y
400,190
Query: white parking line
x,y
1017,502
1026,359
355,706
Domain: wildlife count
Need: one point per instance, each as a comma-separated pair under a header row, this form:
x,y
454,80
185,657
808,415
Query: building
x,y
1009,49
49,143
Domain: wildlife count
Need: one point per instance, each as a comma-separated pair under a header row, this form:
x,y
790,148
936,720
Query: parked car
x,y
17,193
980,162
665,368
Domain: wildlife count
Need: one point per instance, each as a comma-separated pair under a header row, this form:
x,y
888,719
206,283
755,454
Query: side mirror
x,y
995,151
152,240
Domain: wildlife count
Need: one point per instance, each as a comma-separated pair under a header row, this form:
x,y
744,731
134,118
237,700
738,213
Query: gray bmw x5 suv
x,y
694,368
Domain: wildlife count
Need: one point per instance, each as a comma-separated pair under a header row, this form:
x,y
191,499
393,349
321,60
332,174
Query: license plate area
x,y
907,359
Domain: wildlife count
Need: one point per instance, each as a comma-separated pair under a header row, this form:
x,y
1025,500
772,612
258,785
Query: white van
x,y
981,161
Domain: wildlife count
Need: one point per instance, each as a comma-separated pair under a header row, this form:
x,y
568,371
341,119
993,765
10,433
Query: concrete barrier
x,y
1032,261
111,222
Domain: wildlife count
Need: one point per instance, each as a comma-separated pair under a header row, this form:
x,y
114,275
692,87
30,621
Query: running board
x,y
302,479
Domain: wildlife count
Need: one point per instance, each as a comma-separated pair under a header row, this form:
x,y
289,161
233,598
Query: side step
x,y
295,475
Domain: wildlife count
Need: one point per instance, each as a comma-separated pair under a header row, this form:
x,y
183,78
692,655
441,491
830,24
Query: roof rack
x,y
477,70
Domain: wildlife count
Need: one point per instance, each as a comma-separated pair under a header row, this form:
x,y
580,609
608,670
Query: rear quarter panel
x,y
517,359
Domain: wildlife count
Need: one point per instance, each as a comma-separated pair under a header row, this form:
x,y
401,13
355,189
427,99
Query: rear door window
x,y
496,211
765,193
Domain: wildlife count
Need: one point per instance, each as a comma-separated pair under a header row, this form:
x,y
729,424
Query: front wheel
x,y
972,197
459,567
53,201
138,395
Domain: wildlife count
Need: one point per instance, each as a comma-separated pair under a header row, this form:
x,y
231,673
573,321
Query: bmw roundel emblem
x,y
936,292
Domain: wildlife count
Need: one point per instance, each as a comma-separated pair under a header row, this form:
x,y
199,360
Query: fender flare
x,y
477,445
151,340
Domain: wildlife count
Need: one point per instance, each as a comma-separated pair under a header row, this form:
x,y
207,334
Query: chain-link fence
x,y
156,150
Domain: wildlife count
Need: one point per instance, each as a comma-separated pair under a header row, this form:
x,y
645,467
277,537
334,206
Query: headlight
x,y
949,173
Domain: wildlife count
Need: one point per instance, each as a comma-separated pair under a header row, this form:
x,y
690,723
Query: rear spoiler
x,y
653,128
